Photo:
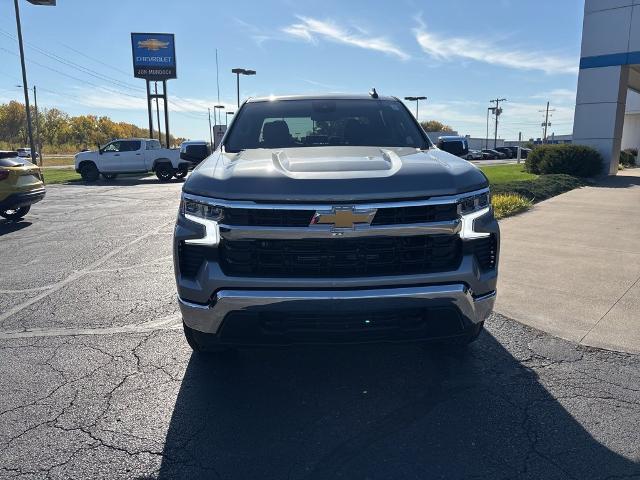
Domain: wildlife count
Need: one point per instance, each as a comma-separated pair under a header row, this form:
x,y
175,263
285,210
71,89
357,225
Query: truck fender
x,y
159,161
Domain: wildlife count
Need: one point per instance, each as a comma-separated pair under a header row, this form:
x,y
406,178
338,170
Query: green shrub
x,y
577,160
627,158
507,204
541,188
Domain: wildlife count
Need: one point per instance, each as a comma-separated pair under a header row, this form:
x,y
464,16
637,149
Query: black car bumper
x,y
22,199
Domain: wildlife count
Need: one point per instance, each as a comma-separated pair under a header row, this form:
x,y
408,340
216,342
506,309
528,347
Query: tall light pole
x,y
417,100
210,129
238,72
25,85
218,116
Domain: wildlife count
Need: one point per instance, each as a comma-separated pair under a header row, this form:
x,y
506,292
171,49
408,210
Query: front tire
x,y
197,342
15,213
164,172
89,172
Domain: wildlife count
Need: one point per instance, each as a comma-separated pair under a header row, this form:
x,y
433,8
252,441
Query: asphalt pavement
x,y
96,380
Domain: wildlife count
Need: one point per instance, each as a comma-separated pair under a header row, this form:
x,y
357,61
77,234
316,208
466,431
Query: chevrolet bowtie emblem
x,y
152,44
343,217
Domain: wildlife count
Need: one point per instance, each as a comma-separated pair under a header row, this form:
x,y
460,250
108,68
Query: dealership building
x,y
609,70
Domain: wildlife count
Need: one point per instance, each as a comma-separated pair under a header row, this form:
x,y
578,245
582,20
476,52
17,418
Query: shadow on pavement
x,y
10,226
376,412
621,180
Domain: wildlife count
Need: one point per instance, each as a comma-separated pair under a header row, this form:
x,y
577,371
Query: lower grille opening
x,y
191,258
309,327
341,257
485,251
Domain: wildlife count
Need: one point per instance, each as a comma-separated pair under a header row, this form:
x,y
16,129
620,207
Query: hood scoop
x,y
384,164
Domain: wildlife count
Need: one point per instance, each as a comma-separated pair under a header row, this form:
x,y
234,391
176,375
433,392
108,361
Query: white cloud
x,y
448,48
310,29
558,95
470,118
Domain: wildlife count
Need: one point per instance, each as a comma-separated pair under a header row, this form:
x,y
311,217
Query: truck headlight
x,y
471,208
204,214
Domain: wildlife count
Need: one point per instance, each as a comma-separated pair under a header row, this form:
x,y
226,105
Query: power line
x,y
119,83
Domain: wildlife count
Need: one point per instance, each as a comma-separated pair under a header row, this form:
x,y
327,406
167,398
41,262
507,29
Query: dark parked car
x,y
507,151
494,154
523,152
194,151
454,145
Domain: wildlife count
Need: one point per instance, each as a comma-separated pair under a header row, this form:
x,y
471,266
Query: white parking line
x,y
78,274
168,323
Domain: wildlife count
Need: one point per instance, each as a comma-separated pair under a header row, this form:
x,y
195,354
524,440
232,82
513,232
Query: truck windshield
x,y
335,122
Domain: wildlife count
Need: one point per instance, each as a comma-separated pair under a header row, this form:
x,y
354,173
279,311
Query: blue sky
x,y
460,54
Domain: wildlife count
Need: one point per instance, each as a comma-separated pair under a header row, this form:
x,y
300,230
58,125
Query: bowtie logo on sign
x,y
153,44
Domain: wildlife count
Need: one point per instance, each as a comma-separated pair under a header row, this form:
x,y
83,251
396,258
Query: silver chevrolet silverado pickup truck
x,y
333,219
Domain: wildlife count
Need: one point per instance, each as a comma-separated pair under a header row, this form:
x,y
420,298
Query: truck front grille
x,y
255,217
341,257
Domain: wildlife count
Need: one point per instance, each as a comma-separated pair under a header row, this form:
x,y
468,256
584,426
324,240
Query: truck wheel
x,y
15,213
199,345
471,336
181,172
109,176
164,172
89,172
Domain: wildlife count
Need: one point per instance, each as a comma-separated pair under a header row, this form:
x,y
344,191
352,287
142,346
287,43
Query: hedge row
x,y
577,160
541,188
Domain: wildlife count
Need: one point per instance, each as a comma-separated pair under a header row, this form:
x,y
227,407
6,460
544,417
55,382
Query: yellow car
x,y
21,185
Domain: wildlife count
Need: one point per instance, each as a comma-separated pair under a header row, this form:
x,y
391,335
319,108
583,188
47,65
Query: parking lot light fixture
x,y
238,72
417,100
217,116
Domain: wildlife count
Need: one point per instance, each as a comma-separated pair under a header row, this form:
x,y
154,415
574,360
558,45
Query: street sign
x,y
154,56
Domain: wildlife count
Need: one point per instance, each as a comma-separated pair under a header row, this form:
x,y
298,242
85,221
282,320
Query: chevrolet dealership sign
x,y
154,55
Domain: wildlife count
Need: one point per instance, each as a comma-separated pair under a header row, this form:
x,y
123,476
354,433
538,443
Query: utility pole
x,y
24,80
546,122
497,112
158,112
486,139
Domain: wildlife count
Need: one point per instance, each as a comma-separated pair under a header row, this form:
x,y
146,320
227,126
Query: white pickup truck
x,y
131,155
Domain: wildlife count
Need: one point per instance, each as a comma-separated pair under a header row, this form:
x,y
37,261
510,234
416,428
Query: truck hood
x,y
326,174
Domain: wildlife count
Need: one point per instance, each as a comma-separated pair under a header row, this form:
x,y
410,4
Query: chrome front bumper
x,y
208,318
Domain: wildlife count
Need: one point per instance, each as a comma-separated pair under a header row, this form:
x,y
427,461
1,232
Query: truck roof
x,y
325,96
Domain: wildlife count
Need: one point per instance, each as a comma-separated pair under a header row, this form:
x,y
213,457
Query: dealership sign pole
x,y
154,59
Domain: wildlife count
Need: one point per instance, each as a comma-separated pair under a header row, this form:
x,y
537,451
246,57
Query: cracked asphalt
x,y
96,380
